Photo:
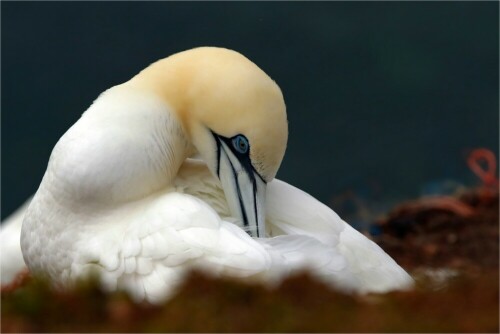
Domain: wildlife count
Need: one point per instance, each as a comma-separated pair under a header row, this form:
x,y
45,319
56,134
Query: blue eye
x,y
240,144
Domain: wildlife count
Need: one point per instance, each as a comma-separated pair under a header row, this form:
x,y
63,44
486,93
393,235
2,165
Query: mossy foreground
x,y
300,304
466,303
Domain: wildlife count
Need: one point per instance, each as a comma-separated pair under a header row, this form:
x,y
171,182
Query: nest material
x,y
454,232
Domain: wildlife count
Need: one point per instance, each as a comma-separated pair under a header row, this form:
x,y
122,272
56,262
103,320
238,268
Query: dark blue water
x,y
384,99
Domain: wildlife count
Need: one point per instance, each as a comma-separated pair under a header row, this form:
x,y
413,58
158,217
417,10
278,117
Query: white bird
x,y
175,169
11,257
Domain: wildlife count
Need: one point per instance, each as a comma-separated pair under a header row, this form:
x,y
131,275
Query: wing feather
x,y
149,258
294,212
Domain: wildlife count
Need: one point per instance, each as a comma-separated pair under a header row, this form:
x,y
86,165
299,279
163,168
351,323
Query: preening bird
x,y
175,169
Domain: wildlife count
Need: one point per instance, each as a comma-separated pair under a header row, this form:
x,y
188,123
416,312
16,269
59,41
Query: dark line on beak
x,y
254,185
260,177
217,142
240,199
249,169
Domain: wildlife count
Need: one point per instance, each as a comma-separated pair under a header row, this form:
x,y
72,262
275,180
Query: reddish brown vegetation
x,y
460,233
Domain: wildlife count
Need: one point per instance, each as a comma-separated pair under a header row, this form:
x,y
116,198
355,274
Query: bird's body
x,y
11,256
139,191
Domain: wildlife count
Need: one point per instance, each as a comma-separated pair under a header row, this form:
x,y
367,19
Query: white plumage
x,y
11,257
121,196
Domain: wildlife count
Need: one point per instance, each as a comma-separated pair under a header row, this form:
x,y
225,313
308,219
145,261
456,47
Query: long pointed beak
x,y
245,191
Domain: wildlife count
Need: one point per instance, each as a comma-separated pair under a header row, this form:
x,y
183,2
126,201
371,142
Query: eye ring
x,y
240,144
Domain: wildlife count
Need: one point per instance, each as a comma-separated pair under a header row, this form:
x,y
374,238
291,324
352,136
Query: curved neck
x,y
170,81
127,145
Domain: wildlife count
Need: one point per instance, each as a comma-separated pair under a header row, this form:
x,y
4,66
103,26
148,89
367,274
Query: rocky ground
x,y
449,244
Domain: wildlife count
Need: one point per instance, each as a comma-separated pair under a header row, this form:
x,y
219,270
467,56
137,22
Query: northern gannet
x,y
175,169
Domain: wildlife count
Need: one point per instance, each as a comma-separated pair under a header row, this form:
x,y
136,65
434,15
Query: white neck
x,y
127,145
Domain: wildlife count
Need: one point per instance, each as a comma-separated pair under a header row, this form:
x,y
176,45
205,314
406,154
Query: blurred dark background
x,y
385,99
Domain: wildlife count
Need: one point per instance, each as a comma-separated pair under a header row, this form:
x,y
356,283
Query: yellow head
x,y
216,90
233,114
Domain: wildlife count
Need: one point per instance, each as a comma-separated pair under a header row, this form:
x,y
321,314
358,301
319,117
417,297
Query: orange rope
x,y
488,175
